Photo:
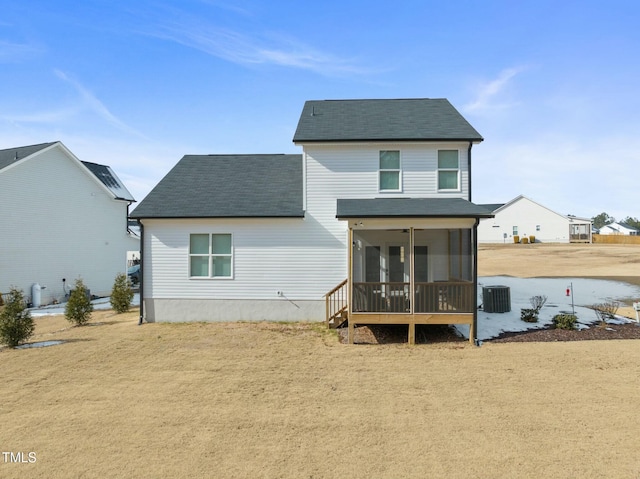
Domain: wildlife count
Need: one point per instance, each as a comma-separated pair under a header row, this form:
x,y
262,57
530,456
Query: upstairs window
x,y
448,170
210,255
390,173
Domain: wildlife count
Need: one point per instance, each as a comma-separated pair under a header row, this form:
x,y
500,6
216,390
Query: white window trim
x,y
457,170
399,170
211,256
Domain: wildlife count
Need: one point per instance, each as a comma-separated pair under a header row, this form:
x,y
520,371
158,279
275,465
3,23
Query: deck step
x,y
340,320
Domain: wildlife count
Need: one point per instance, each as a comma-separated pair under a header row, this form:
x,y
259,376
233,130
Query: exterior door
x,y
398,271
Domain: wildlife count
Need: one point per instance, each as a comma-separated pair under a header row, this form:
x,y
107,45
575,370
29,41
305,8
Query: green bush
x,y
79,307
16,323
121,294
529,315
565,321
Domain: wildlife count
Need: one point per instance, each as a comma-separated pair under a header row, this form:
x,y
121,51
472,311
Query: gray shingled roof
x,y
11,155
410,208
110,180
418,119
628,226
492,206
227,186
101,172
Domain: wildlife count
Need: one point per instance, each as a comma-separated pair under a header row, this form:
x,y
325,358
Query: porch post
x,y
351,326
412,324
411,273
473,328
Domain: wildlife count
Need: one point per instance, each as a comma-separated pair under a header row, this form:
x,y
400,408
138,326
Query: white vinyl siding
x,y
352,171
293,256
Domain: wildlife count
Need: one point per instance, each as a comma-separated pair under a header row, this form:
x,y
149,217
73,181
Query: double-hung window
x,y
390,177
210,255
448,170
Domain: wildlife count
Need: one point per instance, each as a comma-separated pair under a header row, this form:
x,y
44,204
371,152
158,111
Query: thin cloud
x,y
489,92
243,49
95,105
53,116
16,51
229,6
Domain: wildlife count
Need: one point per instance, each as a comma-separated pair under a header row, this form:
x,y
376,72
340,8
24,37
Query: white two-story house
x,y
372,224
61,219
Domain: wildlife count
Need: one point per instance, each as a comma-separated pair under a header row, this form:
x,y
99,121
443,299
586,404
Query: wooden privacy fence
x,y
616,239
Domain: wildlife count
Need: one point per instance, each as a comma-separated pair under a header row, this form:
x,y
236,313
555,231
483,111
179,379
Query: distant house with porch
x,y
524,218
619,229
61,219
372,223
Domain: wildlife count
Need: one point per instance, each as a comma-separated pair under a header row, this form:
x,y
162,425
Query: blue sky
x,y
552,86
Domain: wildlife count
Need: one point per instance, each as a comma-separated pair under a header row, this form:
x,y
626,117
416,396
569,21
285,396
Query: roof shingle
x,y
410,208
11,155
415,119
227,186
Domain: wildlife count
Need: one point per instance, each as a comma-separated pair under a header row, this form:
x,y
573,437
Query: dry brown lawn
x,y
258,400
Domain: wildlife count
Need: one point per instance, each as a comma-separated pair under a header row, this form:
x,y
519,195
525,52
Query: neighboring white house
x,y
619,229
61,219
524,218
375,215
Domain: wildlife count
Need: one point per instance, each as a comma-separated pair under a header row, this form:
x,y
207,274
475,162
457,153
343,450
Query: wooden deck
x,y
447,302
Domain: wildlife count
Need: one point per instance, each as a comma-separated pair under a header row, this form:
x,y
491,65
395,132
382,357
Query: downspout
x,y
475,282
141,292
129,203
469,168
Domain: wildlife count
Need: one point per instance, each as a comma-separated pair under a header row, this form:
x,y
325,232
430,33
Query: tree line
x,y
604,219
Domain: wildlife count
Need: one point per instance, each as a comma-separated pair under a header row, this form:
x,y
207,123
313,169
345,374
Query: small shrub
x,y
79,307
529,315
537,302
565,321
16,323
606,311
121,294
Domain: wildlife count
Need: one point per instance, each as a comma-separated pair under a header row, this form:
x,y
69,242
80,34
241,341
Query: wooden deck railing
x,y
438,297
336,305
443,297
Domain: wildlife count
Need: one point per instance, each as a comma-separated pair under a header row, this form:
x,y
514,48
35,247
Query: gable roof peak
x,y
8,156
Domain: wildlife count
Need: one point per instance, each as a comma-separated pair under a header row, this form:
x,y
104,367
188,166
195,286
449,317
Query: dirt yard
x,y
581,260
258,400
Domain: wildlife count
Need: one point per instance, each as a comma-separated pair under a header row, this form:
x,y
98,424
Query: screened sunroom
x,y
411,261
